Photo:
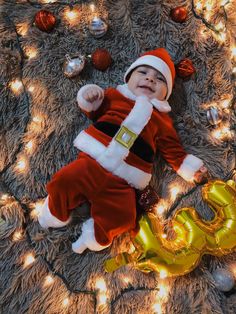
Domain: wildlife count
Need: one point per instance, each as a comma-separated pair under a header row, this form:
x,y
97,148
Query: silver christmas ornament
x,y
98,27
224,279
214,116
73,65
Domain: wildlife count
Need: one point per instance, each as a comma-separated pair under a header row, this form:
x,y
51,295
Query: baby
x,y
131,123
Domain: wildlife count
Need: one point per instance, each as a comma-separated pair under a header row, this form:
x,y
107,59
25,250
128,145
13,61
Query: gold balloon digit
x,y
194,236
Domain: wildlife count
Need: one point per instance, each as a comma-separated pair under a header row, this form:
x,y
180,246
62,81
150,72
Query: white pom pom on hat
x,y
160,60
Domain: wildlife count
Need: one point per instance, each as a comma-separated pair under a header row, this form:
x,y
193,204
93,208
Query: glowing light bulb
x,y
163,291
102,299
208,15
222,132
21,165
233,50
36,124
29,259
22,28
92,7
66,302
71,15
31,88
48,281
224,2
16,86
37,119
198,5
4,197
100,284
164,235
29,146
219,26
31,52
163,273
17,236
127,279
222,37
37,209
209,6
157,308
174,191
225,103
131,248
160,208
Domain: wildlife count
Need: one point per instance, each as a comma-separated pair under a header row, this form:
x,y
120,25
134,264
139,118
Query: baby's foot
x,y
46,219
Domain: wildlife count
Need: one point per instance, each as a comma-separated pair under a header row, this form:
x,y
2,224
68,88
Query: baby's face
x,y
147,81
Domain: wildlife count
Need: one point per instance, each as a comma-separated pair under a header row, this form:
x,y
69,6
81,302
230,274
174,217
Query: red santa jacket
x,y
126,134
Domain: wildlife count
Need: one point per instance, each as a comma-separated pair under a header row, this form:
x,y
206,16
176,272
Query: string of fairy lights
x,y
202,10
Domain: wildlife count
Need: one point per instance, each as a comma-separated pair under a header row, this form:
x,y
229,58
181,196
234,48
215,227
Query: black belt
x,y
140,148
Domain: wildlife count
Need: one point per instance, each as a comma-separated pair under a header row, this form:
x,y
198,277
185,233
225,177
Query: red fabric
x,y
159,132
113,206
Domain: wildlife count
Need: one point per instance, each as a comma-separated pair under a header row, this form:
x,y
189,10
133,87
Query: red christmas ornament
x,y
179,14
101,59
185,68
45,20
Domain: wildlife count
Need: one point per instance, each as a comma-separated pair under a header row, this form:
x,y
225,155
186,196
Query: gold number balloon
x,y
194,236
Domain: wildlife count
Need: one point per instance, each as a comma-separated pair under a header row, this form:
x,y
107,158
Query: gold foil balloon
x,y
194,236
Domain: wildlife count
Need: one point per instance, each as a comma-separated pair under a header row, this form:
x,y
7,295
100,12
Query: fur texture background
x,y
135,26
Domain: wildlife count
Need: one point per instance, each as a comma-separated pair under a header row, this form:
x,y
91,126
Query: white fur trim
x,y
46,219
156,63
189,166
135,121
124,90
87,239
160,105
134,176
139,115
85,105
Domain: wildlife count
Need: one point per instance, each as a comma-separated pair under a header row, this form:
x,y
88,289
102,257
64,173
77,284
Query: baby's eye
x,y
143,72
160,78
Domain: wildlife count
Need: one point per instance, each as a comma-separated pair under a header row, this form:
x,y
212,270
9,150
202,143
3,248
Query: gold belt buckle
x,y
125,137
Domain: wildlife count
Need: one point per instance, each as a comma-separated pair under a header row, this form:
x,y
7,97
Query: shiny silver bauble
x,y
214,115
224,279
73,65
98,27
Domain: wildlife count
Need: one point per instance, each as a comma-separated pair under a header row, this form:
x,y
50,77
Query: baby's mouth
x,y
147,87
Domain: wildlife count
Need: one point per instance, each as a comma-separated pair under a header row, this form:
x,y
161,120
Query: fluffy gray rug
x,y
134,26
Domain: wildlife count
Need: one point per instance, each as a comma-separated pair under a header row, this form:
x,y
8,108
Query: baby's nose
x,y
150,78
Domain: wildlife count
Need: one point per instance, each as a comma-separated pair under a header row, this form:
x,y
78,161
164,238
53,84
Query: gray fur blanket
x,y
40,118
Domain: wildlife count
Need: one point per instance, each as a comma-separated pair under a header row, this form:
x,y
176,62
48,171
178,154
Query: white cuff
x,y
47,220
87,239
86,105
189,167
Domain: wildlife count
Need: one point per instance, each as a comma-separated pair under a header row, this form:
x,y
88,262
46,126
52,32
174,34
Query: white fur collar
x,y
162,106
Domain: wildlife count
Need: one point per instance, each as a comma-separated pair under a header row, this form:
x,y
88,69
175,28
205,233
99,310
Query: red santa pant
x,y
112,199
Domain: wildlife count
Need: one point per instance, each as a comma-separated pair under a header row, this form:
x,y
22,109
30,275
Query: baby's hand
x,y
92,94
202,175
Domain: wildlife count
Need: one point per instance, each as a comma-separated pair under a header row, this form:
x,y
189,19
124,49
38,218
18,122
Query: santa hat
x,y
160,60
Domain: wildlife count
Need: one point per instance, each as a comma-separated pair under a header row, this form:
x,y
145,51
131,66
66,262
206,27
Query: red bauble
x,y
101,59
185,68
179,14
45,20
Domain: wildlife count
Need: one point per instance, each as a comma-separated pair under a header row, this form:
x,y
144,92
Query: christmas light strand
x,y
25,209
25,99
